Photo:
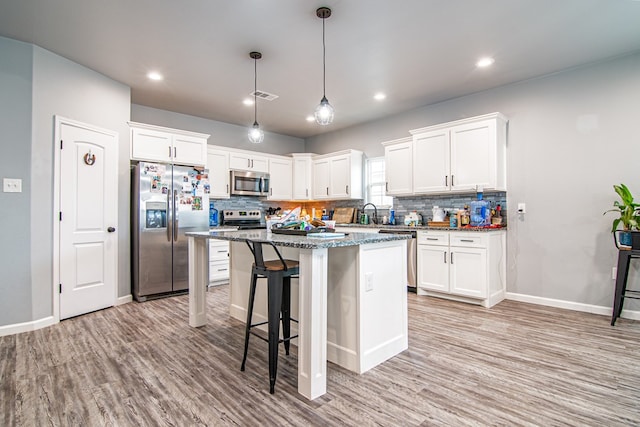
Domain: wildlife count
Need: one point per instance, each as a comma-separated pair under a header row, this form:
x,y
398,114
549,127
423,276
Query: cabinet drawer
x,y
218,250
218,270
469,240
429,237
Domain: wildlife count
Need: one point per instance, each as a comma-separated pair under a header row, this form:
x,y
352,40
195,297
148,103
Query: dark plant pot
x,y
625,238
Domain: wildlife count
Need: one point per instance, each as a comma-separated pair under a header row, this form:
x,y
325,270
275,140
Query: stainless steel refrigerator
x,y
167,201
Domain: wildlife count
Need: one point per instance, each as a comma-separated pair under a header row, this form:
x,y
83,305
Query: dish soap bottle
x,y
392,217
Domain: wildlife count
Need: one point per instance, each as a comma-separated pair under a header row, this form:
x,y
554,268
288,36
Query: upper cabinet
x,y
461,156
302,175
338,175
398,157
158,144
218,165
280,172
248,162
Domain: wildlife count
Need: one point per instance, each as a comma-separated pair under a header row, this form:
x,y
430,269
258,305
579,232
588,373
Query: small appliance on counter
x,y
413,219
243,219
439,214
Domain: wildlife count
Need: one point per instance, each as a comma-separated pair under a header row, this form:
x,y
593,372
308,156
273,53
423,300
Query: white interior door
x,y
88,219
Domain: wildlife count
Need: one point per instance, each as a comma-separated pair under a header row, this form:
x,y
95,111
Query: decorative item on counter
x,y
385,220
364,219
413,219
464,218
497,219
392,217
453,218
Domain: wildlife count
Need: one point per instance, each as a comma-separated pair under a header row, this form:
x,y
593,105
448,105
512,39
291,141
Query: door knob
x,y
111,229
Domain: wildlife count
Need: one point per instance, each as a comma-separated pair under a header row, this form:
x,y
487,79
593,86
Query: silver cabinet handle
x,y
432,238
466,240
386,186
347,189
175,152
327,191
445,256
271,191
169,147
248,163
306,192
446,180
227,188
452,184
451,257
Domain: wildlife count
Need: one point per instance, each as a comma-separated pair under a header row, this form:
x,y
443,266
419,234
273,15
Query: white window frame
x,y
384,201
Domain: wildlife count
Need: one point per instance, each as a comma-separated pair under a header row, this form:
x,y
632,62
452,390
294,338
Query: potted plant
x,y
629,214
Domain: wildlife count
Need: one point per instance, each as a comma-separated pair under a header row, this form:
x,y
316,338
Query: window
x,y
376,184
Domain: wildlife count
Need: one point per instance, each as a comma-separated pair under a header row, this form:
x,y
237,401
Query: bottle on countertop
x,y
464,219
213,215
453,218
392,217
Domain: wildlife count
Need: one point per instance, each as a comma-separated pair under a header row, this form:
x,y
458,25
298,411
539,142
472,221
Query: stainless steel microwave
x,y
246,183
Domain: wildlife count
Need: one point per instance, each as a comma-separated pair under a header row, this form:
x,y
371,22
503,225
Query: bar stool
x,y
278,274
624,257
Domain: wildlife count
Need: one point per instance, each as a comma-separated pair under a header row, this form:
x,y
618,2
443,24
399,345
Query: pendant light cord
x,y
255,89
324,67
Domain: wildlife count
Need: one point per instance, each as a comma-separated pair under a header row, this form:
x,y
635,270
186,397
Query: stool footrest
x,y
267,339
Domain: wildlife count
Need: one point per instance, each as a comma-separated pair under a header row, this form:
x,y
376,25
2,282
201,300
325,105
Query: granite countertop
x,y
420,227
303,242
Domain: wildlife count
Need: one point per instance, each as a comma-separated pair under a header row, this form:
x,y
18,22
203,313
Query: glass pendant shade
x,y
256,135
324,112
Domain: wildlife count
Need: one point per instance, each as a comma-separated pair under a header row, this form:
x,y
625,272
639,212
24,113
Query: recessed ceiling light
x,y
247,101
379,96
154,75
311,119
484,62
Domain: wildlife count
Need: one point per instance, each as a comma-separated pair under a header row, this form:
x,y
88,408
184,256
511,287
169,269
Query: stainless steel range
x,y
243,219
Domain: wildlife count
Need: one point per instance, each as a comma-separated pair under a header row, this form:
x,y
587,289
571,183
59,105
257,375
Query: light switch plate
x,y
12,185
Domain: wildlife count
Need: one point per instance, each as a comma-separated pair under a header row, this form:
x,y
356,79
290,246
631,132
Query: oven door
x,y
249,183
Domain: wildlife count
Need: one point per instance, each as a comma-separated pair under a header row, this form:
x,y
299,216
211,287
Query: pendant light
x,y
256,135
324,111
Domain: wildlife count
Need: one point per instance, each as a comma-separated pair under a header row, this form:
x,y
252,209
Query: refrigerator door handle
x,y
169,220
175,216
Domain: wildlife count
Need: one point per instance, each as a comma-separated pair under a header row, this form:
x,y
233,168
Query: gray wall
x,y
572,135
15,162
223,134
36,85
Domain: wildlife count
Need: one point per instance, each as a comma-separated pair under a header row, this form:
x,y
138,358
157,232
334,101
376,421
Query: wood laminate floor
x,y
142,365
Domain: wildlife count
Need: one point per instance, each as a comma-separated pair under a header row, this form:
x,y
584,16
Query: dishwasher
x,y
412,256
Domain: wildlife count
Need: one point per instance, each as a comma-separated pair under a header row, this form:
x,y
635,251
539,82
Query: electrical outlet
x,y
614,273
368,282
12,185
522,208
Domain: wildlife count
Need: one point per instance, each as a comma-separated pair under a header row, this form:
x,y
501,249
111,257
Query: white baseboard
x,y
27,326
570,305
124,300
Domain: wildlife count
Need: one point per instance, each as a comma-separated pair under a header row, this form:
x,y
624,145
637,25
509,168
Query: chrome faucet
x,y
375,212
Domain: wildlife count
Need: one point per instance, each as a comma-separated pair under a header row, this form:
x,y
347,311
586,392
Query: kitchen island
x,y
358,279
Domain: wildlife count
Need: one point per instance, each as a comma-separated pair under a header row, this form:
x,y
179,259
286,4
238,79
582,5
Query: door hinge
x,y
60,216
60,288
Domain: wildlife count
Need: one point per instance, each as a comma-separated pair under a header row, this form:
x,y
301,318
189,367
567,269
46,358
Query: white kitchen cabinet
x,y
248,162
398,158
338,175
218,262
302,176
280,173
158,144
465,266
218,165
461,156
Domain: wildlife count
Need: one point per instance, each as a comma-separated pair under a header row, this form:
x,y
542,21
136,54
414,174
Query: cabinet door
x,y
433,268
301,178
473,155
153,145
247,162
398,160
321,179
189,150
468,272
340,177
431,162
218,165
280,172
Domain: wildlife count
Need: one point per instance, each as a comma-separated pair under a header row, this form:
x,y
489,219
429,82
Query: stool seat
x,y
276,265
278,274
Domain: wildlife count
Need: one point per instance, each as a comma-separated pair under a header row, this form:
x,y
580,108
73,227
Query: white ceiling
x,y
418,52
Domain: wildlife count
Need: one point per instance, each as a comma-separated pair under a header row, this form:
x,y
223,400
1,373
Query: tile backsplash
x,y
402,205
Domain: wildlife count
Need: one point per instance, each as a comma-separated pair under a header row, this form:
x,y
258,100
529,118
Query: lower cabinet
x,y
218,262
466,266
